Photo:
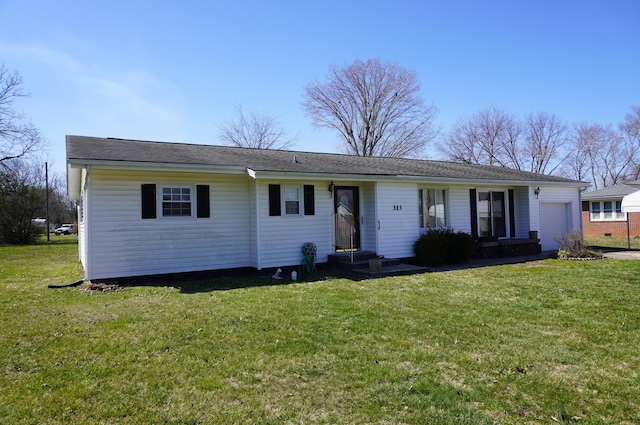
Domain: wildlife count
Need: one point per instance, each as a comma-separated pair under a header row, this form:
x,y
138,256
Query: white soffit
x,y
631,202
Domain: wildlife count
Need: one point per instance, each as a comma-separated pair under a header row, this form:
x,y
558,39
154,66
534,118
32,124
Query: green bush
x,y
443,246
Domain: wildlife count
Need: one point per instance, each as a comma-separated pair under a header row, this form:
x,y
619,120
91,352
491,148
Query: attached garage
x,y
555,219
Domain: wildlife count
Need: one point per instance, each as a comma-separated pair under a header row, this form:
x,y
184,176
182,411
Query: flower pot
x,y
375,265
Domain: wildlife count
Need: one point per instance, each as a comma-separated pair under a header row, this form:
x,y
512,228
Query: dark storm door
x,y
347,218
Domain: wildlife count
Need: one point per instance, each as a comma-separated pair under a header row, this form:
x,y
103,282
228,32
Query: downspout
x,y
376,218
580,207
87,226
257,229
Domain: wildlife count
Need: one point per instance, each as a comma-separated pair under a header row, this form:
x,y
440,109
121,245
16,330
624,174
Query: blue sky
x,y
174,71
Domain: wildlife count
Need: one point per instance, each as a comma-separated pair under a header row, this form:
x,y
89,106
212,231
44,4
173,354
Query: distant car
x,y
66,229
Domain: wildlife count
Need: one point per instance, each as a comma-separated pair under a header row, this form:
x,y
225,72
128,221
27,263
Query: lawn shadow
x,y
226,280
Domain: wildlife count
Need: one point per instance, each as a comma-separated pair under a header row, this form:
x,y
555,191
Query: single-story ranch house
x,y
155,207
602,213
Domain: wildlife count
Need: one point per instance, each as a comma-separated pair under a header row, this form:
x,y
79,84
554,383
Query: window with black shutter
x,y
275,209
148,201
309,200
202,201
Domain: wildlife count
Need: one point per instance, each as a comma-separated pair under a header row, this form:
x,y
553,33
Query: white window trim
x,y
622,216
283,201
423,225
192,199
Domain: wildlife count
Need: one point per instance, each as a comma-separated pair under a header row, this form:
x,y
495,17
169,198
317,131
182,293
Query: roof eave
x,y
289,175
74,163
154,166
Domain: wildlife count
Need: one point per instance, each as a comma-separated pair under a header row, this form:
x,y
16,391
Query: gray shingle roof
x,y
617,191
81,149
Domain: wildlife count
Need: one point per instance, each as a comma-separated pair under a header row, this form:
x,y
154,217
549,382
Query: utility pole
x,y
46,179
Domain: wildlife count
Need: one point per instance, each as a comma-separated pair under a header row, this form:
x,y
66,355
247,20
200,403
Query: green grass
x,y
612,242
543,342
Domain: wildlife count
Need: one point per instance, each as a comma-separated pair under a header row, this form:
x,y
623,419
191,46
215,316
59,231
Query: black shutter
x,y
309,200
274,200
148,201
512,216
474,213
202,201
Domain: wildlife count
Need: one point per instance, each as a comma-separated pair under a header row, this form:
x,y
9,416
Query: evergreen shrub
x,y
443,246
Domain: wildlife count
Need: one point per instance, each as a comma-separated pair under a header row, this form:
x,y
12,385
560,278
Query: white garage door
x,y
554,221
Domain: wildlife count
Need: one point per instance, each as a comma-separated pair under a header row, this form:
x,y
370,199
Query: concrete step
x,y
360,261
392,270
344,257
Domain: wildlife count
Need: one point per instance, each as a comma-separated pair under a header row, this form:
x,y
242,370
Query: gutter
x,y
294,175
155,166
288,175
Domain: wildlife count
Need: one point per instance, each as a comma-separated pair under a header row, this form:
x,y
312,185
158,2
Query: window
x,y
595,211
292,200
492,221
432,208
607,210
176,201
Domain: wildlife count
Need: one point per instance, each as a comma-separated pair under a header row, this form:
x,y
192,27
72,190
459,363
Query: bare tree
x,y
630,129
22,196
491,137
602,155
256,130
462,143
545,135
587,140
615,160
375,107
495,137
18,138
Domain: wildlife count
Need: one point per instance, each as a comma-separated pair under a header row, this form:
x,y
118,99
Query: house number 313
x,y
397,207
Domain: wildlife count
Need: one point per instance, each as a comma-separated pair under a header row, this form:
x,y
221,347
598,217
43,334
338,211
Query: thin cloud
x,y
124,103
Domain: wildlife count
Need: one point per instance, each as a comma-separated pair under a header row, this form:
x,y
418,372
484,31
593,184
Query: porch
x,y
505,248
358,262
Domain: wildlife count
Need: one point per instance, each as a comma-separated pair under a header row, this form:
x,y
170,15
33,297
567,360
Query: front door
x,y
347,218
492,220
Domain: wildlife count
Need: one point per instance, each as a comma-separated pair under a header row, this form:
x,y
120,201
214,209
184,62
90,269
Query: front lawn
x,y
612,242
543,342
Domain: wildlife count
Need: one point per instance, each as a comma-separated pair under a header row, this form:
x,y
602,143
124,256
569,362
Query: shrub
x,y
571,246
443,246
571,241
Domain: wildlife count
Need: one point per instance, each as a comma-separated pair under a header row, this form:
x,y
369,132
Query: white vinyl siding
x,y
83,222
368,227
122,244
253,222
282,237
459,209
115,241
397,209
521,208
544,216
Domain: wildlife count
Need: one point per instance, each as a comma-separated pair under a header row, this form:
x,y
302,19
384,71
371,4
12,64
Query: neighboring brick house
x,y
602,211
